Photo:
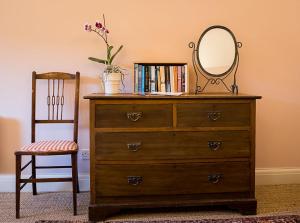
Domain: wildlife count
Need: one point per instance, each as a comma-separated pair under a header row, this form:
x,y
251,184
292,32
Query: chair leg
x,y
33,165
74,181
18,186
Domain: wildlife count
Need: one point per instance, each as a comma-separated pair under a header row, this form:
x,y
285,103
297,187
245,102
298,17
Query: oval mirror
x,y
217,51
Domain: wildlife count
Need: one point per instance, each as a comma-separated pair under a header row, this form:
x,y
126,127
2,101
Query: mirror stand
x,y
214,80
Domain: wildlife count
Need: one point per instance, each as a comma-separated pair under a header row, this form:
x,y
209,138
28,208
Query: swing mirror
x,y
217,51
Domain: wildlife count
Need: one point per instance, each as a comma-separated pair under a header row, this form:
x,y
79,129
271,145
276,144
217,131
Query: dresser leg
x,y
245,208
97,213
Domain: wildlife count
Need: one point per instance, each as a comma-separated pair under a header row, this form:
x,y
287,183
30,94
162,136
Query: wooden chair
x,y
55,103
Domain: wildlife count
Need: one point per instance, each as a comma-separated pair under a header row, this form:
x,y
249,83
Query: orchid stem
x,y
104,26
93,30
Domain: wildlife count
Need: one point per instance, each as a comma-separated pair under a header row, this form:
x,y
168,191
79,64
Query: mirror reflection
x,y
217,51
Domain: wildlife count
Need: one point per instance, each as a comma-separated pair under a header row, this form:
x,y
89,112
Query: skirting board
x,y
263,176
272,176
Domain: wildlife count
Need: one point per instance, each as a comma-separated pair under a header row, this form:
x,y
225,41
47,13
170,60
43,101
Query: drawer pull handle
x,y
133,147
214,116
214,178
134,180
214,145
134,116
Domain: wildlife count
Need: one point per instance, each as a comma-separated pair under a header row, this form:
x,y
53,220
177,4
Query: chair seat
x,y
54,146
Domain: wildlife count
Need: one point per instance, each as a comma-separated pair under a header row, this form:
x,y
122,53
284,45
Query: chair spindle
x,y
57,99
53,98
56,102
62,99
48,99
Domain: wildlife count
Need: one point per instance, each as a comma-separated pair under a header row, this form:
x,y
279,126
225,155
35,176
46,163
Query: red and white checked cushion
x,y
51,146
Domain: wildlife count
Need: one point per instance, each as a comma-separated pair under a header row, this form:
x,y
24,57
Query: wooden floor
x,y
275,199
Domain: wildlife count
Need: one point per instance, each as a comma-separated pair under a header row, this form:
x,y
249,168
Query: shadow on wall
x,y
88,85
10,140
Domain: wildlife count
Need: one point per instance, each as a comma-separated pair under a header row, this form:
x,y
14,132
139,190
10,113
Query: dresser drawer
x,y
171,145
213,114
133,116
168,179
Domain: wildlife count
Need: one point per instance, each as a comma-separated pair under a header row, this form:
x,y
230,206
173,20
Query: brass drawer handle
x,y
134,180
214,116
134,116
214,145
215,178
133,147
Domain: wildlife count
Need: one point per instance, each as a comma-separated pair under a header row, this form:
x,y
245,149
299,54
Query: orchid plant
x,y
101,30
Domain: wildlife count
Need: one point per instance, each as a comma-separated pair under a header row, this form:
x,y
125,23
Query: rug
x,y
266,219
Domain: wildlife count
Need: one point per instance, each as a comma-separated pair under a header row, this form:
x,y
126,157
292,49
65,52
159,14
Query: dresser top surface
x,y
102,96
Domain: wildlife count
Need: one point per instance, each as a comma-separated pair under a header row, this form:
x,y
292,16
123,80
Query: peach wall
x,y
48,35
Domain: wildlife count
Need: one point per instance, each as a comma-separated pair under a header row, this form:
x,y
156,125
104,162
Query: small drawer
x,y
171,145
172,179
133,116
213,115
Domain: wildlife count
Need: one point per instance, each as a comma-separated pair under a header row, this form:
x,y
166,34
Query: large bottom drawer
x,y
171,179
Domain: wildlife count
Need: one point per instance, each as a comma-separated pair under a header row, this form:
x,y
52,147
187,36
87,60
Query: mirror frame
x,y
235,54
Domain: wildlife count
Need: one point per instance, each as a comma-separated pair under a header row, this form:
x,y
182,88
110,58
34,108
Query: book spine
x,y
175,70
162,79
152,81
147,79
179,79
143,78
182,79
172,80
167,74
186,79
158,78
139,78
136,75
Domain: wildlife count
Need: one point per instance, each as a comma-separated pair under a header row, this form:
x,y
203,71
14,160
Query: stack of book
x,y
151,77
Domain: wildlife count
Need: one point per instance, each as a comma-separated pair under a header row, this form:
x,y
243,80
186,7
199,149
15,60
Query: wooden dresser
x,y
171,151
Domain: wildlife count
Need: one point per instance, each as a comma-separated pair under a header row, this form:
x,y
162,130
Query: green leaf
x,y
109,52
98,60
112,58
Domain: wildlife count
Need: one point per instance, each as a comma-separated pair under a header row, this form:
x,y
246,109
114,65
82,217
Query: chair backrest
x,y
55,100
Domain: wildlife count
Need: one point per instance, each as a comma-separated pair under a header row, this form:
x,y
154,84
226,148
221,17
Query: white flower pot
x,y
112,83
